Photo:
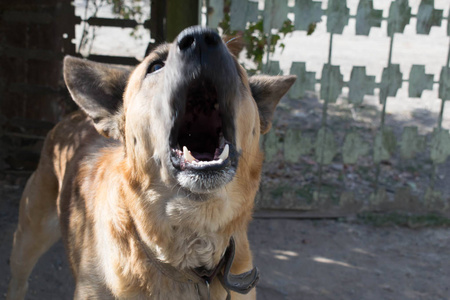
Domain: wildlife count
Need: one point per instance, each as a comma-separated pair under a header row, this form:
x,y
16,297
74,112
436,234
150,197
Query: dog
x,y
151,185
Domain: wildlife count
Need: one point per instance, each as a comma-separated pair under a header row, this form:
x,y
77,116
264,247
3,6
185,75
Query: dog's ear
x,y
267,92
98,89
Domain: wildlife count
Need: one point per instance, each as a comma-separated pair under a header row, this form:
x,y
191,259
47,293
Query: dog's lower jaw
x,y
198,183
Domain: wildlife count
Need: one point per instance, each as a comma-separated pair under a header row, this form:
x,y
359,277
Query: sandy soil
x,y
298,259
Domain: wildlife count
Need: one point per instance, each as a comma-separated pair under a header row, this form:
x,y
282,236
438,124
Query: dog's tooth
x,y
187,155
224,154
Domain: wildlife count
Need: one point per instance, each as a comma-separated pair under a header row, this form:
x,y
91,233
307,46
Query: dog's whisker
x,y
231,40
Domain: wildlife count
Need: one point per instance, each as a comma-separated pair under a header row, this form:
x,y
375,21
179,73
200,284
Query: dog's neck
x,y
184,233
181,231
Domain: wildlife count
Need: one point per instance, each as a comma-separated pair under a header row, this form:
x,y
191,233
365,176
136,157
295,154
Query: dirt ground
x,y
298,259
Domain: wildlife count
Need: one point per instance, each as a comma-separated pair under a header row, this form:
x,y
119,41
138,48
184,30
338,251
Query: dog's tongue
x,y
203,156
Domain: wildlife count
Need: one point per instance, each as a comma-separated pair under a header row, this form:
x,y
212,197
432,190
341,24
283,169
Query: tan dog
x,y
158,204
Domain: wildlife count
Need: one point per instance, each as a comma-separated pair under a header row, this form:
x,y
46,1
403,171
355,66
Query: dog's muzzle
x,y
203,82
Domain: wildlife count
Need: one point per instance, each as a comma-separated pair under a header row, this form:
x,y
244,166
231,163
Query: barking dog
x,y
157,205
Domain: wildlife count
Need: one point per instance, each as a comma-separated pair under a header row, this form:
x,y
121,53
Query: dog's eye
x,y
155,66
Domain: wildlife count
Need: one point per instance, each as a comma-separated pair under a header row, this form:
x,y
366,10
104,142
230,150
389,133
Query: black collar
x,y
240,283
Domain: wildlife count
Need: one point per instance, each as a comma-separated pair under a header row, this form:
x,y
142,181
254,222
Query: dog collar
x,y
240,283
201,277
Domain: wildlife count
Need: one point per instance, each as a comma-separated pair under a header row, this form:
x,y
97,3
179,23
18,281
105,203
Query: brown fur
x,y
96,192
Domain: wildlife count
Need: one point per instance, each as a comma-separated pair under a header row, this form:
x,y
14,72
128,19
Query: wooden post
x,y
181,14
157,20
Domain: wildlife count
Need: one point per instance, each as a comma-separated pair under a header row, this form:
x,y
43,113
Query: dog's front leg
x,y
87,289
37,231
250,296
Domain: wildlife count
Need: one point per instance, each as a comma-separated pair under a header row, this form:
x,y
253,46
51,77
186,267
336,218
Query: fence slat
x,y
325,146
215,12
275,13
331,83
120,60
338,15
419,81
27,17
242,12
360,85
354,147
367,17
122,23
26,53
444,83
384,145
305,80
296,145
399,16
411,143
391,82
428,17
307,12
440,146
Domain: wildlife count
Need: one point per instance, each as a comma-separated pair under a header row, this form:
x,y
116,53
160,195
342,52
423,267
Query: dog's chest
x,y
193,250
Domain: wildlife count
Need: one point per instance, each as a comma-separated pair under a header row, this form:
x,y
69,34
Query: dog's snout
x,y
197,38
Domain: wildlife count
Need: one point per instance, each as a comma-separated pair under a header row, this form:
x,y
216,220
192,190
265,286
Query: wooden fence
x,y
339,165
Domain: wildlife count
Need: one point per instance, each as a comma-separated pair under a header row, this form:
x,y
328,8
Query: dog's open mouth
x,y
199,142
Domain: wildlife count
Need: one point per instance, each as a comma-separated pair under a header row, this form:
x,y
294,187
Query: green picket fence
x,y
338,165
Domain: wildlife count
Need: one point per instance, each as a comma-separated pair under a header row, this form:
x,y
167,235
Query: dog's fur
x,y
109,195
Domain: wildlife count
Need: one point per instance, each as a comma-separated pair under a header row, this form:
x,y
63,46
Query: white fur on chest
x,y
195,230
192,250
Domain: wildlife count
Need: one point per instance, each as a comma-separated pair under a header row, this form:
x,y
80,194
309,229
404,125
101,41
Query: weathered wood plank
x,y
27,17
440,146
419,81
307,13
411,142
354,147
215,12
122,23
26,53
275,13
305,80
384,145
296,145
444,83
367,17
273,68
427,17
331,83
391,82
325,146
338,15
399,16
360,84
271,145
241,12
119,60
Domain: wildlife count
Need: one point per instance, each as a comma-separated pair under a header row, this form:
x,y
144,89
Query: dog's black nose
x,y
197,38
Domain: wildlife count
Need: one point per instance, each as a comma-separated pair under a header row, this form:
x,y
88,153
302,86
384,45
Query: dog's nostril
x,y
211,39
186,42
